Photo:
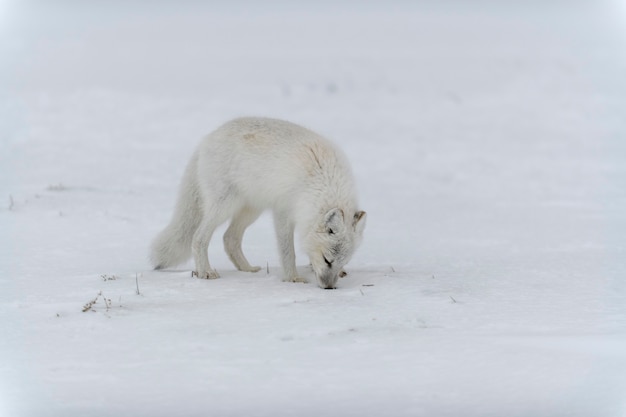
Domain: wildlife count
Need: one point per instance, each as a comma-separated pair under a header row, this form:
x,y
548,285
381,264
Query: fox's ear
x,y
359,221
333,220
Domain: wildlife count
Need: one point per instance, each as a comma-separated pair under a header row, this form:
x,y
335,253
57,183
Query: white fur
x,y
252,164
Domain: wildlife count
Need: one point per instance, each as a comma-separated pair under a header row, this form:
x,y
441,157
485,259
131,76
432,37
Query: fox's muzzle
x,y
328,280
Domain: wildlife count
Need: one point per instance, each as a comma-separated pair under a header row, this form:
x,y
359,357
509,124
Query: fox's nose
x,y
327,281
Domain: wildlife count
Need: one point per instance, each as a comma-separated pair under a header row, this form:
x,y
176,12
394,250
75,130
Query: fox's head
x,y
331,245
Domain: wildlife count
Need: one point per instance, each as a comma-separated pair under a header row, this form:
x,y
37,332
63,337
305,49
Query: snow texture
x,y
489,145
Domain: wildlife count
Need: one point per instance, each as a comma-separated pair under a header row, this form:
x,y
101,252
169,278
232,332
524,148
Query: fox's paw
x,y
205,275
296,279
251,269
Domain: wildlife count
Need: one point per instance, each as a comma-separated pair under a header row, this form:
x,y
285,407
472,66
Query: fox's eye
x,y
331,232
328,263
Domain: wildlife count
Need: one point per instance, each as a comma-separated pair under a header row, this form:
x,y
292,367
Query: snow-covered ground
x,y
489,145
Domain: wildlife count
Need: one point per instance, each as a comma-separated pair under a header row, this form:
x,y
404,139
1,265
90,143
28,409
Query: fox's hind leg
x,y
200,249
234,234
212,217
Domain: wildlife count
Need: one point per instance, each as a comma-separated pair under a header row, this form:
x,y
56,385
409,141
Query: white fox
x,y
252,164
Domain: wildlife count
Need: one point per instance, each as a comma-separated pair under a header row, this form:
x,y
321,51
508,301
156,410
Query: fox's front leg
x,y
284,232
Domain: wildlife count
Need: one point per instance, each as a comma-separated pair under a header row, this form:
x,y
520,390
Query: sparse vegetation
x,y
57,187
106,277
90,305
137,283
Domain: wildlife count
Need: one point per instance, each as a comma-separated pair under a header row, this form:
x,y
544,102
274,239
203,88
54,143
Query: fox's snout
x,y
327,280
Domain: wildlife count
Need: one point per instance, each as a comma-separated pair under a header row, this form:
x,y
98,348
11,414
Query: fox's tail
x,y
173,245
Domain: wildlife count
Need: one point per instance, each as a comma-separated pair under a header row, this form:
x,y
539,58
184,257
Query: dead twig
x,y
137,283
57,187
91,303
106,277
107,303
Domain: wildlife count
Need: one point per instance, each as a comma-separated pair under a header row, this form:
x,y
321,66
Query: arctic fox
x,y
249,165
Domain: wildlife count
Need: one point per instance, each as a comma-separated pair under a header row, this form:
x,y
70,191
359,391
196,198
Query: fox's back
x,y
251,137
265,159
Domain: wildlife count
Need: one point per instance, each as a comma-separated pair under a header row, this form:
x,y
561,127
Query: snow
x,y
488,146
